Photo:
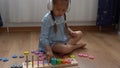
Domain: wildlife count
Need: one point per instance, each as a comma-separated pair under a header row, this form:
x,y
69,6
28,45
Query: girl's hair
x,y
55,25
63,1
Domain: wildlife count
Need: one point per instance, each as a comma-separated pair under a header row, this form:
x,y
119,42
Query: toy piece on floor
x,y
19,66
80,55
33,51
21,56
83,55
5,59
13,66
26,53
91,57
14,56
86,55
0,59
72,56
16,66
57,63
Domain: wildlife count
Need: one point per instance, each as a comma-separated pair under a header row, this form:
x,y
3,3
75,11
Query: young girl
x,y
55,35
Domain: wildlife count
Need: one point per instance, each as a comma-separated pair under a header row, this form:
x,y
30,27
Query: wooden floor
x,y
105,46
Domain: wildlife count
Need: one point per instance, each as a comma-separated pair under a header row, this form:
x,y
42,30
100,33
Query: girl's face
x,y
60,8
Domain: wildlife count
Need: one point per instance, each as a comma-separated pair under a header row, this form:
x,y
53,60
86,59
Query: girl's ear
x,y
50,5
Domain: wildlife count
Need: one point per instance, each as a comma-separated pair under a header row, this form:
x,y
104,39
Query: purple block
x,y
33,51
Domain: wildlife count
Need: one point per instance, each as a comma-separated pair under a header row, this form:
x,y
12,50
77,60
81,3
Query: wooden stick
x,y
32,61
43,62
26,53
38,62
26,61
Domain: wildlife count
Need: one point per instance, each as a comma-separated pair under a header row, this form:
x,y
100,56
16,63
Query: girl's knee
x,y
80,34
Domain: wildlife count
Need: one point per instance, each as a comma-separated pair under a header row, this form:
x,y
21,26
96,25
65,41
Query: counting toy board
x,y
45,64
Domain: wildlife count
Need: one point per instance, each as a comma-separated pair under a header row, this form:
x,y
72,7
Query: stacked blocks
x,y
53,61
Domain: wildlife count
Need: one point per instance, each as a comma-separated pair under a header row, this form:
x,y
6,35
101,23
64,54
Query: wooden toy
x,y
59,61
5,59
91,57
81,55
32,61
0,59
72,56
45,64
85,55
21,56
26,54
38,61
13,66
16,66
53,61
33,51
19,66
14,56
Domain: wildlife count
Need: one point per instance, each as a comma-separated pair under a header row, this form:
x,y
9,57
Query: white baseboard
x,y
29,24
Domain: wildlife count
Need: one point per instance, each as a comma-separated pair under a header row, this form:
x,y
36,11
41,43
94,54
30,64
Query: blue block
x,y
53,61
14,56
0,59
5,59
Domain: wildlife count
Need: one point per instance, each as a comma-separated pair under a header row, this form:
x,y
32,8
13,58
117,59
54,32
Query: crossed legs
x,y
71,44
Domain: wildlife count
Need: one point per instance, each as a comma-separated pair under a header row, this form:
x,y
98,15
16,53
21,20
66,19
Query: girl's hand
x,y
49,55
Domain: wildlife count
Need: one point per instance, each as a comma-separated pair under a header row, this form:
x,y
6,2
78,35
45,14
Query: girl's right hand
x,y
49,55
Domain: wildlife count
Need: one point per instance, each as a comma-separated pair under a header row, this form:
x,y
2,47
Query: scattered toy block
x,y
5,59
21,56
72,56
0,59
91,57
14,56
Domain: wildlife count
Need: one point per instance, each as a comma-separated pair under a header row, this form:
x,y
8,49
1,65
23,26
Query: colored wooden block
x,y
53,61
91,57
14,56
49,65
5,59
0,59
59,61
26,52
22,56
72,56
33,51
41,58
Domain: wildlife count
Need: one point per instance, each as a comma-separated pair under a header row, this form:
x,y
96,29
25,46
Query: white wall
x,y
30,12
